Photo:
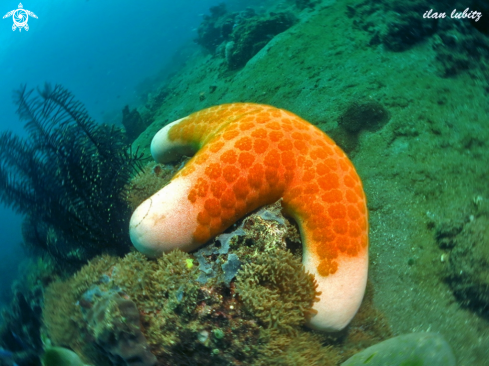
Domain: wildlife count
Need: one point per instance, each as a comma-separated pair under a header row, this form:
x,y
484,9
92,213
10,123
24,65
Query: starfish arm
x,y
249,155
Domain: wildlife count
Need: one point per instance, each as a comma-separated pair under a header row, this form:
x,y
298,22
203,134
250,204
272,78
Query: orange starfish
x,y
249,155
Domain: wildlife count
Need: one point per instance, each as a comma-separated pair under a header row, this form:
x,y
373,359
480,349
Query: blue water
x,y
107,53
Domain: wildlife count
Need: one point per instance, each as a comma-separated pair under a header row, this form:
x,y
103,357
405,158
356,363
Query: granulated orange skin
x,y
252,155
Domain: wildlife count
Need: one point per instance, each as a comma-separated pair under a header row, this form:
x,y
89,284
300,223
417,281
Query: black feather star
x,y
67,177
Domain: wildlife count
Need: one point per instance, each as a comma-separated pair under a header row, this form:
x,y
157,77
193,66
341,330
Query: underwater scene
x,y
244,182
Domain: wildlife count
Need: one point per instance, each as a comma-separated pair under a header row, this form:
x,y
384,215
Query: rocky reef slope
x,y
407,99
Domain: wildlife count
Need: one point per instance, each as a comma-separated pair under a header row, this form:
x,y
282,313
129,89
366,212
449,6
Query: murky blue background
x,y
107,53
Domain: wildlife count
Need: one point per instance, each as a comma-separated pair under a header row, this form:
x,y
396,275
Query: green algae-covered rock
x,y
415,349
59,356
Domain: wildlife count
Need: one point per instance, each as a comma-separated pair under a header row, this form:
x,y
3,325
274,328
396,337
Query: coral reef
x,y
215,28
238,36
255,319
182,321
64,322
251,35
67,177
429,157
459,45
303,349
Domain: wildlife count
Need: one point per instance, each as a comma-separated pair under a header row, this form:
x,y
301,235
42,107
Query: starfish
x,y
249,155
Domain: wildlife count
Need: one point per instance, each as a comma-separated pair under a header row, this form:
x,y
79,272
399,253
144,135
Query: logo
x,y
20,17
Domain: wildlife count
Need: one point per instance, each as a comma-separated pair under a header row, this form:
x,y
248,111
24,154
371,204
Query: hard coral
x,y
177,314
62,316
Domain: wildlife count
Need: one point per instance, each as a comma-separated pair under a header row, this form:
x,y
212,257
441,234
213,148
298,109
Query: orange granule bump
x,y
246,160
256,148
244,144
251,155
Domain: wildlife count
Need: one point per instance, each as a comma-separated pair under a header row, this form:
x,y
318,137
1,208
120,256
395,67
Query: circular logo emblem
x,y
20,18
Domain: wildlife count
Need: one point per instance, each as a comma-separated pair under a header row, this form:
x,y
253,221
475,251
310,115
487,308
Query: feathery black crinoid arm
x,y
69,173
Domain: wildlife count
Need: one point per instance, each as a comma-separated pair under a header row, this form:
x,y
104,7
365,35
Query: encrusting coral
x,y
250,155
